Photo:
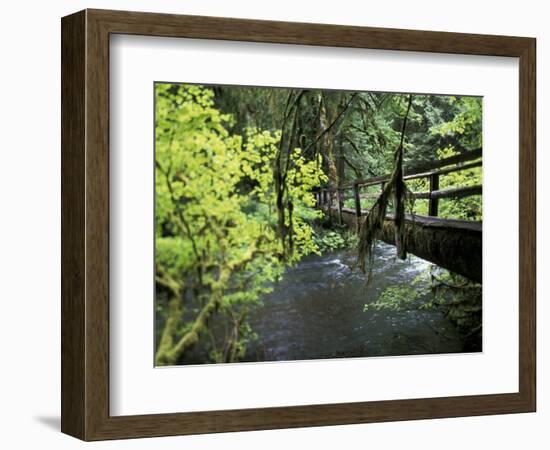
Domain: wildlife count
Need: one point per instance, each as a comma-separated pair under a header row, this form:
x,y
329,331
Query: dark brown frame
x,y
85,224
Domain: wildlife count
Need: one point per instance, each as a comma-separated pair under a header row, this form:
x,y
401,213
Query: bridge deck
x,y
425,221
450,243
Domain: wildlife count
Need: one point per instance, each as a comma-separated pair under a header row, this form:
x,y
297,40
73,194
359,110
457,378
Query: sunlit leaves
x,y
465,123
215,201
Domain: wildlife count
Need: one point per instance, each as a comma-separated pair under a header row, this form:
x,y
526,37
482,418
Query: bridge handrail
x,y
431,170
424,170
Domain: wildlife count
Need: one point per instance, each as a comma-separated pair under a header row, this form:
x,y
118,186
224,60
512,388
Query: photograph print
x,y
302,224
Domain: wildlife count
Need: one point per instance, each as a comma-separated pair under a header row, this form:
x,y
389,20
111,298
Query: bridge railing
x,y
432,171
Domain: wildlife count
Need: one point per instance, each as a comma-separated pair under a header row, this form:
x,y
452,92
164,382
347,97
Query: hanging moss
x,y
372,225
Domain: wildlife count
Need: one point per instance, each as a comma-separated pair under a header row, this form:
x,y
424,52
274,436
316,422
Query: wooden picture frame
x,y
85,224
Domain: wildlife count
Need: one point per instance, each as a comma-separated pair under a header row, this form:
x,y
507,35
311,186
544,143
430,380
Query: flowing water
x,y
316,311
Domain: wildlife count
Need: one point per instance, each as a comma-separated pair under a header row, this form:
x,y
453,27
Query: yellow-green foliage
x,y
468,208
435,288
215,211
467,119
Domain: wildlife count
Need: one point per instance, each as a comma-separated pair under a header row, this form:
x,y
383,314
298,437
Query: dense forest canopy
x,y
236,173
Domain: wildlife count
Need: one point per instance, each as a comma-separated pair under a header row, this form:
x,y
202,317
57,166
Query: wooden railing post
x,y
340,205
357,204
326,196
433,202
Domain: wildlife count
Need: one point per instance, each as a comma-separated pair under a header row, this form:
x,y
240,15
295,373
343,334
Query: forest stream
x,y
243,179
316,311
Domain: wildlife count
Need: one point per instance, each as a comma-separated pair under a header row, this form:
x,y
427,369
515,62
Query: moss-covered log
x,y
455,245
458,249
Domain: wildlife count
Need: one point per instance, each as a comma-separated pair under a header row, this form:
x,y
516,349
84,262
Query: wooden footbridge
x,y
450,243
